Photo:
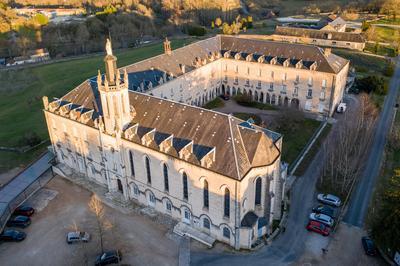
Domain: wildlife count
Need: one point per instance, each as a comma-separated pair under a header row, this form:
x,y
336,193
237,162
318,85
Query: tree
x,y
218,22
212,25
97,208
391,8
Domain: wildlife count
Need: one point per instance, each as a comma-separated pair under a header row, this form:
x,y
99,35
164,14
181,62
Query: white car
x,y
319,217
341,108
329,199
74,237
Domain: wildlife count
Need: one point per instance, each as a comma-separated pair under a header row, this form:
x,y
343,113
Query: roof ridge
x,y
233,147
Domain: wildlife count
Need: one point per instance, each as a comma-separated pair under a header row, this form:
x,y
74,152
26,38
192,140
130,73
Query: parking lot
x,y
61,207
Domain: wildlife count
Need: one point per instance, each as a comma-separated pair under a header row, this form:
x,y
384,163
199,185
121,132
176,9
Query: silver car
x,y
329,199
74,237
322,218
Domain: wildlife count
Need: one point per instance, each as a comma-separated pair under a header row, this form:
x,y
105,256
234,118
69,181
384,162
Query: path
x,y
360,199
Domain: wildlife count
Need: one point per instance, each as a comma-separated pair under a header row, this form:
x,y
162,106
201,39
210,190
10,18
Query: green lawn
x,y
382,50
216,103
313,151
386,34
21,94
364,64
295,139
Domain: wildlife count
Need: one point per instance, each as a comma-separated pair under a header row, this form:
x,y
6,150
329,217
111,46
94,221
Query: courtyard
x,y
63,206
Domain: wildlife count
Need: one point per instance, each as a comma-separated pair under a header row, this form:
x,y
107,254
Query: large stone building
x,y
323,37
138,130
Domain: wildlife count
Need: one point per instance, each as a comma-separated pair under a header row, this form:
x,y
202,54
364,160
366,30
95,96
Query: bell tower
x,y
114,96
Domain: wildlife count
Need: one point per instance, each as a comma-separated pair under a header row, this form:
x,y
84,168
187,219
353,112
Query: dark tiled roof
x,y
271,49
319,34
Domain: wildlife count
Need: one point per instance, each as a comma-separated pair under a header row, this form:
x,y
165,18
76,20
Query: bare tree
x,y
345,150
97,208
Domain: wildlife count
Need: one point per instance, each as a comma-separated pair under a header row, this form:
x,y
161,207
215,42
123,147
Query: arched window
x,y
205,194
226,232
206,223
148,170
185,186
166,183
227,203
131,163
258,192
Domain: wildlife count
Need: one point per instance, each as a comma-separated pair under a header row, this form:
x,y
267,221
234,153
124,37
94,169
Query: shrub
x,y
30,139
194,30
372,84
389,69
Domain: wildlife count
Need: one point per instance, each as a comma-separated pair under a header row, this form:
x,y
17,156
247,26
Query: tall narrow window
x,y
166,183
148,170
258,192
131,163
185,186
227,203
205,194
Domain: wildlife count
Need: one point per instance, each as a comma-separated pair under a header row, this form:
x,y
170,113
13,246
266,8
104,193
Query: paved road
x,y
360,200
289,245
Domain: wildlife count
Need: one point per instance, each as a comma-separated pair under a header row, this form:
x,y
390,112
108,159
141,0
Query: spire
x,y
99,79
108,47
111,64
125,76
167,46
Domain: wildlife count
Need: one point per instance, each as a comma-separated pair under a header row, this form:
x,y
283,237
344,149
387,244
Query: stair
x,y
183,229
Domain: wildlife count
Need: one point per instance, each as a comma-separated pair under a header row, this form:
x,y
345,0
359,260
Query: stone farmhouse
x,y
139,131
321,37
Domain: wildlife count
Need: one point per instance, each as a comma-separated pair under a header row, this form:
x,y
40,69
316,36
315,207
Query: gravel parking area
x,y
343,249
62,206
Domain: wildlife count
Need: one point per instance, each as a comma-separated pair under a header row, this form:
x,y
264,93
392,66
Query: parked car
x,y
369,246
74,237
225,97
19,221
325,210
108,257
341,108
24,210
12,235
319,217
318,227
329,199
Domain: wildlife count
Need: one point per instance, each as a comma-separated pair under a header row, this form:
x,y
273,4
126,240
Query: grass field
x,y
295,140
363,63
21,92
386,34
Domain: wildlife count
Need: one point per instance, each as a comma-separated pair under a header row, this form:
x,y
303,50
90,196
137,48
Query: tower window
x,y
148,170
185,186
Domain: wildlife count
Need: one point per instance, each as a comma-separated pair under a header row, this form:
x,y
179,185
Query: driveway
x,y
61,205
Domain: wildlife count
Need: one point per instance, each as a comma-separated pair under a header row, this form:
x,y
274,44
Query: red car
x,y
24,210
318,227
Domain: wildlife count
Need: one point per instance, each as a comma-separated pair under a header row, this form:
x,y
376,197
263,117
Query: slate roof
x,y
238,147
307,53
319,34
249,220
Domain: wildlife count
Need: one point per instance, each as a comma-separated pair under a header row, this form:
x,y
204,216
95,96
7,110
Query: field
x,y
21,92
387,34
295,140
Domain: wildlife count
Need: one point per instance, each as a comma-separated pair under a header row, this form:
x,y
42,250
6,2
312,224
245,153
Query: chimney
x,y
167,46
327,51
